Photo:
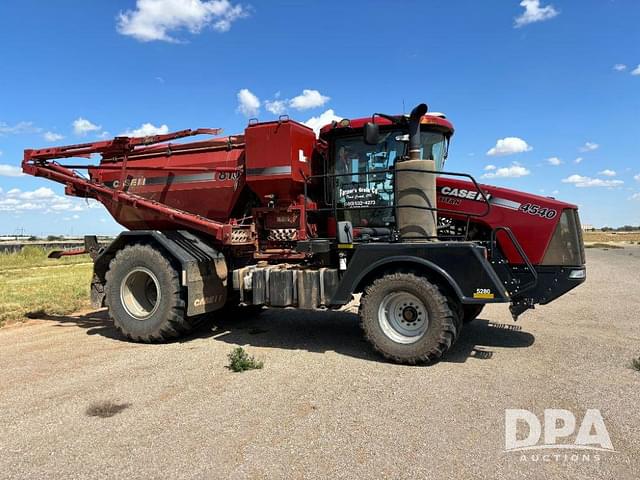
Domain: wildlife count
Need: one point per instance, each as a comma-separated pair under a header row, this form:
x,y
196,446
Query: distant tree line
x,y
625,228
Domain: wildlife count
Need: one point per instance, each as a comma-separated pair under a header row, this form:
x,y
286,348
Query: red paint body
x,y
278,159
211,191
150,184
532,231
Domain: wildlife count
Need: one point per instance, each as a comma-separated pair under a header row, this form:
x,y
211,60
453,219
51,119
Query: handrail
x,y
413,170
394,205
520,251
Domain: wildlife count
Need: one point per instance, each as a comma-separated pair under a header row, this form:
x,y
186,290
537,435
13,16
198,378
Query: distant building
x,y
587,227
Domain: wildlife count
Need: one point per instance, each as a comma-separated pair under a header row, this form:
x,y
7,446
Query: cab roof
x,y
435,120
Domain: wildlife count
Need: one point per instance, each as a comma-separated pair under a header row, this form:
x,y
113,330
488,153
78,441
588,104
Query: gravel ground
x,y
324,405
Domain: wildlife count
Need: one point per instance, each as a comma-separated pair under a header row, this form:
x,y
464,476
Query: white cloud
x,y
40,193
66,207
18,128
636,71
8,204
555,161
589,147
514,171
533,12
248,103
637,177
607,173
82,126
509,146
635,196
581,181
27,206
308,99
52,136
146,130
325,118
490,167
277,107
43,199
157,19
578,160
619,67
10,171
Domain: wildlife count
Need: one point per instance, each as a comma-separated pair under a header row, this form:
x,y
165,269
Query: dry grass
x,y
31,256
602,245
611,236
31,285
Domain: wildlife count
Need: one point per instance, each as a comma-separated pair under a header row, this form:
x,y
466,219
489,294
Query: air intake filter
x,y
416,188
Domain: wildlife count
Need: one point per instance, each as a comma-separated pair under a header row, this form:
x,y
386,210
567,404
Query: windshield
x,y
353,155
434,147
363,181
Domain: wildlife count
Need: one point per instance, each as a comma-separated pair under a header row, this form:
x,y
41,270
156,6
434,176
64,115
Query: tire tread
x,y
448,331
176,324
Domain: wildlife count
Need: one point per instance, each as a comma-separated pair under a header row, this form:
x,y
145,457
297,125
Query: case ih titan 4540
x,y
279,218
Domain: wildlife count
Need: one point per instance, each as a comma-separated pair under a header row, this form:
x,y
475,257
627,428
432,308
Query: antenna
x,y
403,111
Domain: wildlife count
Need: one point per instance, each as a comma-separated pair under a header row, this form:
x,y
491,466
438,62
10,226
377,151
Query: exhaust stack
x,y
416,188
414,131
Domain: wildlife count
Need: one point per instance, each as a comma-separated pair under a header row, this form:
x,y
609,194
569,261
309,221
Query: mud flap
x,y
203,268
206,283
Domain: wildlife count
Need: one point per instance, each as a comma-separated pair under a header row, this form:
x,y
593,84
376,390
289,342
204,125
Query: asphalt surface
x,y
325,405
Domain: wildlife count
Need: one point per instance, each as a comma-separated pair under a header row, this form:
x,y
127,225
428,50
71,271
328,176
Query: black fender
x,y
462,266
203,268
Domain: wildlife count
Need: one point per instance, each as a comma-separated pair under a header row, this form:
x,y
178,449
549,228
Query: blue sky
x,y
545,95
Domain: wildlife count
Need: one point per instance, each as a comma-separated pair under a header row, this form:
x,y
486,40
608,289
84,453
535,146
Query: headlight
x,y
578,274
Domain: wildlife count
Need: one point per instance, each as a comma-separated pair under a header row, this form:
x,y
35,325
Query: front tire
x,y
144,296
407,319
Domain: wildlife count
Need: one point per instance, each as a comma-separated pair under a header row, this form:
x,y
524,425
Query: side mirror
x,y
371,133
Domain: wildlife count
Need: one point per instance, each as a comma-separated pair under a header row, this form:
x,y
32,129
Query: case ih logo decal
x,y
463,193
455,196
164,180
202,301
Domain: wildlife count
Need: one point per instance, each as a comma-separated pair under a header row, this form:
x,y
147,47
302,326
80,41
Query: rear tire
x,y
471,312
407,319
144,296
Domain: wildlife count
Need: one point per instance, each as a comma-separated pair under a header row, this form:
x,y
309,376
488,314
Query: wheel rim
x,y
140,293
403,317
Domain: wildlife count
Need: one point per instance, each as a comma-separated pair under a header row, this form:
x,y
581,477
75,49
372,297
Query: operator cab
x,y
359,167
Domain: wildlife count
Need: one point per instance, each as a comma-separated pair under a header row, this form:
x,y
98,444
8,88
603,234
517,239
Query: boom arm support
x,y
40,163
108,148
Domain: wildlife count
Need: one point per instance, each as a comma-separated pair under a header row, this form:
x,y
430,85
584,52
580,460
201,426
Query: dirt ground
x,y
325,405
